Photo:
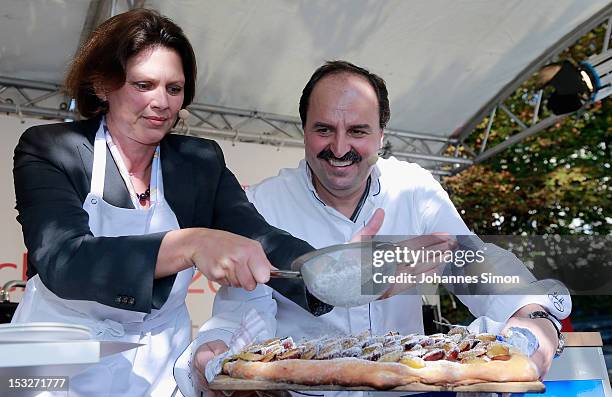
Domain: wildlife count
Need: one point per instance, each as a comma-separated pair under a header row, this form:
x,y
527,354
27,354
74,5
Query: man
x,y
332,194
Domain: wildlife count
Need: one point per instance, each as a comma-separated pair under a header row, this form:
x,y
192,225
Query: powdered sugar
x,y
336,279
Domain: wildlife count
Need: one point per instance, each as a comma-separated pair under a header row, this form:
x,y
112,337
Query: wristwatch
x,y
556,324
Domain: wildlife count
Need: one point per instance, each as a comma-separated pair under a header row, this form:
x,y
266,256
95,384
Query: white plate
x,y
43,332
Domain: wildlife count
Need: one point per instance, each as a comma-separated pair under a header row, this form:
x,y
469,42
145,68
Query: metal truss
x,y
48,100
526,128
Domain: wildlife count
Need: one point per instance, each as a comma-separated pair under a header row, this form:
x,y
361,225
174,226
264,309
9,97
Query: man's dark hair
x,y
102,59
339,67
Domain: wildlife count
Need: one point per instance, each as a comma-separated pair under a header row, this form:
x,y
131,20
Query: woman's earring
x,y
182,124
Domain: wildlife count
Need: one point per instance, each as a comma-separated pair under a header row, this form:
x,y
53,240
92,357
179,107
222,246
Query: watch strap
x,y
555,323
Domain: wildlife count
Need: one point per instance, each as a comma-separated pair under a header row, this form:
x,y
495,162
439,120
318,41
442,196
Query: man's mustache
x,y
352,155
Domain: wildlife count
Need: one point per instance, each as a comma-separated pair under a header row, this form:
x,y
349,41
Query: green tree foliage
x,y
557,181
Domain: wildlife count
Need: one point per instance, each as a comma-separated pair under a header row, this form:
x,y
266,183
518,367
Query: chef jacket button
x,y
131,301
94,200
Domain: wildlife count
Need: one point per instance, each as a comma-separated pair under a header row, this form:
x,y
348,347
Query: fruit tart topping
x,y
348,342
476,352
269,342
288,343
391,357
276,349
354,351
374,340
412,362
410,343
290,354
393,347
458,331
434,355
452,355
456,338
269,357
449,345
486,337
496,349
464,345
328,352
372,352
309,353
412,350
475,360
248,356
392,340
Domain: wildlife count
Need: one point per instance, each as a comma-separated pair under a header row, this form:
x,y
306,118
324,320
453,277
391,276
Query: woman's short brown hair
x,y
101,61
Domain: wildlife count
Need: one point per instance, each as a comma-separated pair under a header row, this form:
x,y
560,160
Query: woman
x,y
116,212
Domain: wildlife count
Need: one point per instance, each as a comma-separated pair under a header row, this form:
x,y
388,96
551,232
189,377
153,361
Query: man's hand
x,y
203,355
543,329
372,227
431,246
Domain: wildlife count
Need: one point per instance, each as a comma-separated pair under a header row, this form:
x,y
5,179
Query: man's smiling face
x,y
341,132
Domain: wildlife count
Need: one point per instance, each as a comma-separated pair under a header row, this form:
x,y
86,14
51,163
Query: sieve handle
x,y
285,274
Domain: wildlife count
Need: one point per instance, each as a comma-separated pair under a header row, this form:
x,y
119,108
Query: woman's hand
x,y
229,259
223,257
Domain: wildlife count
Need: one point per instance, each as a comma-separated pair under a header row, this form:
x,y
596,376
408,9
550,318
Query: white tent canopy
x,y
444,61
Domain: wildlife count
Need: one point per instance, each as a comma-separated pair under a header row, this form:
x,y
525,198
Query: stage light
x,y
576,85
599,69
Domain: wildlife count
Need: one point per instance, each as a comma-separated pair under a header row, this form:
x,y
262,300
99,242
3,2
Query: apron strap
x,y
99,163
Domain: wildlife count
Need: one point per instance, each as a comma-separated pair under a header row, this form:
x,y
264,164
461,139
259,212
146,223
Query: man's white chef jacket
x,y
414,204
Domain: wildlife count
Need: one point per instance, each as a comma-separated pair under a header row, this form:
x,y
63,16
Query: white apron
x,y
165,333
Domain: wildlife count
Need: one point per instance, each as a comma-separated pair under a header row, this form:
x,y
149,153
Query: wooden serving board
x,y
583,339
224,382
